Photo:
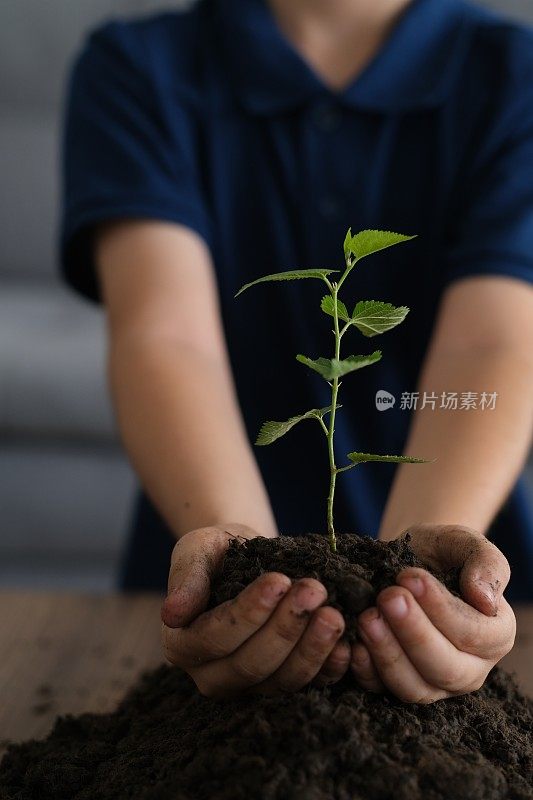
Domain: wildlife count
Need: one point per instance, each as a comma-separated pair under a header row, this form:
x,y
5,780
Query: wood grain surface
x,y
68,653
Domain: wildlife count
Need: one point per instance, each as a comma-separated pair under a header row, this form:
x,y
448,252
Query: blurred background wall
x,y
65,486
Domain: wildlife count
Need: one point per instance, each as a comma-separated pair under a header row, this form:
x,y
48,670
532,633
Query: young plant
x,y
370,317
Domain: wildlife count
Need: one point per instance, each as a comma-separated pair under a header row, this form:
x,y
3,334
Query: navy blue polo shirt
x,y
211,119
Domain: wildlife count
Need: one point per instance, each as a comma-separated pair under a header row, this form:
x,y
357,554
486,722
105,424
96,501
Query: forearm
x,y
182,428
479,453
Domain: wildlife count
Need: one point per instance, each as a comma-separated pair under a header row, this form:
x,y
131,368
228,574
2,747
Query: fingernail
x,y
170,614
360,656
395,606
273,592
324,630
415,585
338,663
487,590
306,598
375,629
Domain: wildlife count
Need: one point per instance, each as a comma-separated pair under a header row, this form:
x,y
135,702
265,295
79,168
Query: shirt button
x,y
329,206
327,118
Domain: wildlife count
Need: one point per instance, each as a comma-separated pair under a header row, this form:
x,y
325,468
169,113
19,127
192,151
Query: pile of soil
x,y
167,742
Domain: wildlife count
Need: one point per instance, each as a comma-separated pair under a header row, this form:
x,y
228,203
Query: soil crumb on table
x,y
167,742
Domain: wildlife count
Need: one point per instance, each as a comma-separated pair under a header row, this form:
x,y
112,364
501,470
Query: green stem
x,y
343,469
320,419
334,289
349,266
334,391
345,328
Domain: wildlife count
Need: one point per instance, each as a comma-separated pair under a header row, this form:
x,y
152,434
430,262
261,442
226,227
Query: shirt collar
x,y
415,68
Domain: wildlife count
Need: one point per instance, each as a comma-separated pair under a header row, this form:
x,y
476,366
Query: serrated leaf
x,y
360,458
272,430
373,317
328,306
367,242
291,275
331,368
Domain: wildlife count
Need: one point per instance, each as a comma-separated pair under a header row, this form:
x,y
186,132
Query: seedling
x,y
370,317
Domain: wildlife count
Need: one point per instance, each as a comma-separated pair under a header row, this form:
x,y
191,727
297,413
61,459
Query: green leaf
x,y
272,430
367,242
289,276
331,368
359,458
347,243
372,317
327,305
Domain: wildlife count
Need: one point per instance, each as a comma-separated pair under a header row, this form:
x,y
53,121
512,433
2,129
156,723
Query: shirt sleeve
x,y
491,232
124,153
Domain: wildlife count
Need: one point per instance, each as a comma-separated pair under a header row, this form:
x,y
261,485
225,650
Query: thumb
x,y
195,560
484,576
483,569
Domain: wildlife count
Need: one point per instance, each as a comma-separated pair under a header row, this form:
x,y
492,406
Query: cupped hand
x,y
274,636
424,644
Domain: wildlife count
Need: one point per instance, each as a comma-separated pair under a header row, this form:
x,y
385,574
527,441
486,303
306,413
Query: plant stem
x,y
323,424
334,391
334,289
343,469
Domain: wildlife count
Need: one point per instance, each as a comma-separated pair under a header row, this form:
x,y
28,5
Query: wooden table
x,y
71,653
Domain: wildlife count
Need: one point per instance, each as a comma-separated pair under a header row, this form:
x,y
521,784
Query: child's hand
x,y
422,643
274,636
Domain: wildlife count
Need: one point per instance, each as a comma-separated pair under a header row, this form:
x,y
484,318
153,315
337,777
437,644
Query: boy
x,y
206,148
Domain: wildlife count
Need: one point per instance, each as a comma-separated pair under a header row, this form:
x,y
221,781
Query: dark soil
x,y
167,742
353,576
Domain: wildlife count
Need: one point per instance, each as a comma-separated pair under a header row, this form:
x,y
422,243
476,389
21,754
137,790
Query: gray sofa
x,y
65,486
